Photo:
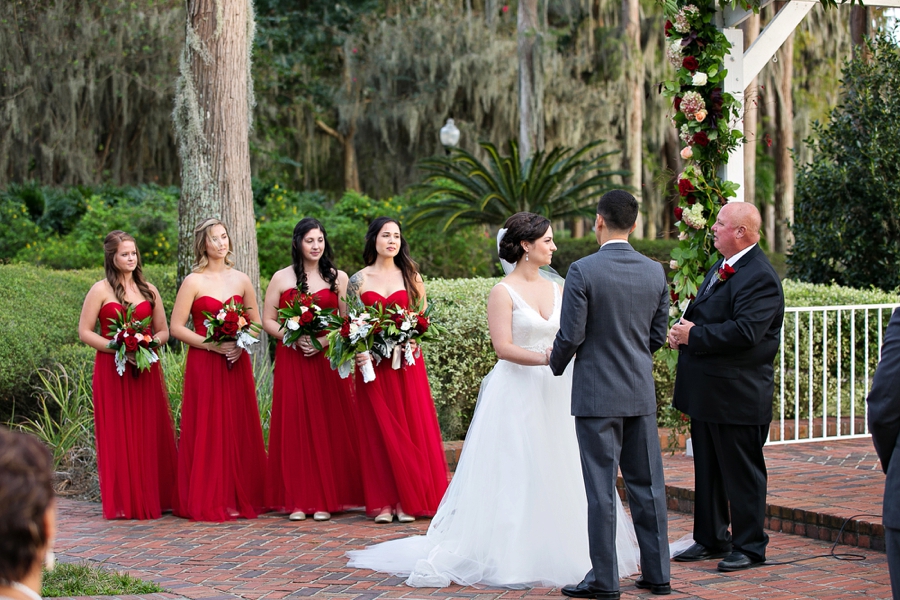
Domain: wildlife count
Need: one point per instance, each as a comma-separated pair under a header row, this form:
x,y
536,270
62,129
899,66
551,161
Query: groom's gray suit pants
x,y
632,444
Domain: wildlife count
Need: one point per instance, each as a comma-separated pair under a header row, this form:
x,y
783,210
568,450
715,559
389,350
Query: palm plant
x,y
460,190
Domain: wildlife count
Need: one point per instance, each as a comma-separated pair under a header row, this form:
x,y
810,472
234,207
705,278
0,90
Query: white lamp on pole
x,y
449,135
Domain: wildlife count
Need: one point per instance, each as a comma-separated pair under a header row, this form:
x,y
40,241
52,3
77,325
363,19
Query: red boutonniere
x,y
725,272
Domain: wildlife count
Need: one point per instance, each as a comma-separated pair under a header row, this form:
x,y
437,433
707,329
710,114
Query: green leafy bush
x,y
150,216
847,210
40,326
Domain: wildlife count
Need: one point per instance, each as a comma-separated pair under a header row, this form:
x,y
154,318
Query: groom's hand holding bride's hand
x,y
680,333
547,353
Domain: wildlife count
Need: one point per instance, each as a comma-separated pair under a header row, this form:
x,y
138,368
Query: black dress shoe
x,y
700,552
737,561
658,589
583,590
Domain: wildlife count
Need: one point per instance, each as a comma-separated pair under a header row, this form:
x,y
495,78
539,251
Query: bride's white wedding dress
x,y
515,514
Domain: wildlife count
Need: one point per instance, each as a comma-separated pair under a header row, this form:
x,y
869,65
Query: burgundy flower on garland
x,y
690,63
685,187
669,28
678,212
690,200
701,139
677,103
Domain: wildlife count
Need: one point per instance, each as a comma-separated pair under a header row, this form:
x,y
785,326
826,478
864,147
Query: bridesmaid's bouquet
x,y
354,334
403,325
133,335
303,316
230,324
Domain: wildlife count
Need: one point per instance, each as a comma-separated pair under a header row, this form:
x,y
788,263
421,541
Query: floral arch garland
x,y
706,118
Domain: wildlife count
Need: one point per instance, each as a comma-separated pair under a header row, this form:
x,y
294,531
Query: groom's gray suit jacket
x,y
614,315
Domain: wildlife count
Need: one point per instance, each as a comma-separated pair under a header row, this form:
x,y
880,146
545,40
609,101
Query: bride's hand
x,y
362,358
548,352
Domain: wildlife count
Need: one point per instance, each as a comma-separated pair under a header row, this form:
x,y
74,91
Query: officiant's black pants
x,y
729,468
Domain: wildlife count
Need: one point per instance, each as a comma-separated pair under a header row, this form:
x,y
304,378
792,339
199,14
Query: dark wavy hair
x,y
521,227
26,492
110,247
408,266
326,262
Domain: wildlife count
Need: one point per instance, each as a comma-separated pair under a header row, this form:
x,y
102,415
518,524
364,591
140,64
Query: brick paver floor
x,y
813,488
273,558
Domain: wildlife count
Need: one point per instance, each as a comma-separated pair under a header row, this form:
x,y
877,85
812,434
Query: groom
x,y
614,315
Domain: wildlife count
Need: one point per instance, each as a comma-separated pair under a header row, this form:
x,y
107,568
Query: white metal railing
x,y
823,371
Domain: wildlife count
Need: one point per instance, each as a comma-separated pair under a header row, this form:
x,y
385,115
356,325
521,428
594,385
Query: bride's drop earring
x,y
50,559
526,256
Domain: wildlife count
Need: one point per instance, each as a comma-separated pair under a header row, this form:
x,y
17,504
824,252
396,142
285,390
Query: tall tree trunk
x,y
860,19
531,24
784,143
213,108
634,112
751,116
349,107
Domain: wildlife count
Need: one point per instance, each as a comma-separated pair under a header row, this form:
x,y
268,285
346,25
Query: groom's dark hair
x,y
619,209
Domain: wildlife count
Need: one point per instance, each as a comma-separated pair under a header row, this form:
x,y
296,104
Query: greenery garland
x,y
705,116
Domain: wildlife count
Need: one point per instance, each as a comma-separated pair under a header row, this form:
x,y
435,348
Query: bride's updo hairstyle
x,y
521,227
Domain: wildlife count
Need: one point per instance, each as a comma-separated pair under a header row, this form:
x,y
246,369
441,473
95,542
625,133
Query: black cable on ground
x,y
831,554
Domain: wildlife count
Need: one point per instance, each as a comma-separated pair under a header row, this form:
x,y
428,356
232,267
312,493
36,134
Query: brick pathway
x,y
813,489
273,558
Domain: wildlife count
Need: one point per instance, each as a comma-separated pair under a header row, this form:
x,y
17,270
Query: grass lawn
x,y
84,579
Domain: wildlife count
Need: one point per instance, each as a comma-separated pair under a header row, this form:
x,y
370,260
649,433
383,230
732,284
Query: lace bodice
x,y
529,329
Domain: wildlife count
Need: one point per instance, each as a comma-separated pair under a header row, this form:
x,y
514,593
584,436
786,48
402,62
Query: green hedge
x,y
42,308
39,326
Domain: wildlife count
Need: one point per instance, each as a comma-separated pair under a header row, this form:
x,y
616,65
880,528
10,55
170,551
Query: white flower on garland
x,y
700,78
674,53
685,134
693,216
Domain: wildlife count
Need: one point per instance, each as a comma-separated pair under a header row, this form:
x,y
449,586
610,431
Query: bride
x,y
515,514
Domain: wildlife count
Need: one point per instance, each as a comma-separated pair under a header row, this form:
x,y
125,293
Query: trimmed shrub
x,y
40,325
43,308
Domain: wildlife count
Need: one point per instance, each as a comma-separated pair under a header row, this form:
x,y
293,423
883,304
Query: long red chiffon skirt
x,y
135,442
314,459
403,454
221,454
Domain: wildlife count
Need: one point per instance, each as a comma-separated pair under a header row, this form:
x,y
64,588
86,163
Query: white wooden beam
x,y
774,35
732,17
733,170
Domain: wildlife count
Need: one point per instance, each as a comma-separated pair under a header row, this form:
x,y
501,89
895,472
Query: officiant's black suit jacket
x,y
726,373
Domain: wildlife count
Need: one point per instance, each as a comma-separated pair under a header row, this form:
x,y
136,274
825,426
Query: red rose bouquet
x,y
230,324
403,325
133,335
303,316
354,334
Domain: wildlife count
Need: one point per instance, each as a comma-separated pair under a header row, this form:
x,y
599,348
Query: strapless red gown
x,y
314,461
221,455
402,447
134,435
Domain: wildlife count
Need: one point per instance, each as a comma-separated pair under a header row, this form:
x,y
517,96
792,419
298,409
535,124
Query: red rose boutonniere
x,y
725,272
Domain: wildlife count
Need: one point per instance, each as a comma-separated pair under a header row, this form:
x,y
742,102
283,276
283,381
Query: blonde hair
x,y
201,236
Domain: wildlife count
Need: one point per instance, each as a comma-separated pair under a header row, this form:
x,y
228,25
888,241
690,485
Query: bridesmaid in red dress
x,y
405,473
221,457
314,463
132,425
